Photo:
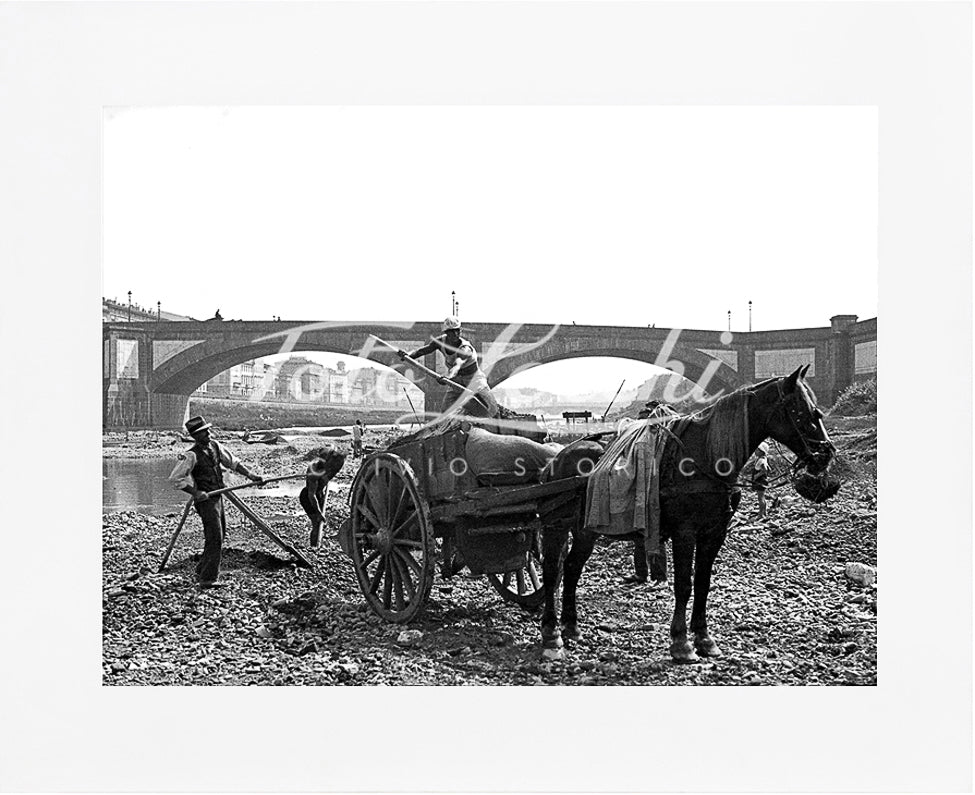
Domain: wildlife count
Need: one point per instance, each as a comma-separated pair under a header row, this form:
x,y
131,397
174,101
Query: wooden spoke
x,y
379,500
408,559
370,516
397,577
377,496
387,582
406,542
411,519
377,577
402,501
408,582
523,586
393,535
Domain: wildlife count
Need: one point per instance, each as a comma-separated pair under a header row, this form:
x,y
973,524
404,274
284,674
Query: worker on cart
x,y
199,471
462,368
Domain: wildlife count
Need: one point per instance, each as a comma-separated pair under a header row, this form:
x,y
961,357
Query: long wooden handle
x,y
613,400
265,528
254,483
441,378
172,541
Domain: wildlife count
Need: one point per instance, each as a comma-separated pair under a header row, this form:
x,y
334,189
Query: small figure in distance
x,y
357,430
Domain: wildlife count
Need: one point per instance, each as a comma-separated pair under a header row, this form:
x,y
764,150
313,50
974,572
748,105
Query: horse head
x,y
796,421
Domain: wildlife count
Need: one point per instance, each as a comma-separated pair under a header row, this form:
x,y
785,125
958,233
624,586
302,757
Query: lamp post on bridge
x,y
729,320
158,310
749,315
130,306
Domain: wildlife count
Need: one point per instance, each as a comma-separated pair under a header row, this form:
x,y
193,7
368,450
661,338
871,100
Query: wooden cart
x,y
418,504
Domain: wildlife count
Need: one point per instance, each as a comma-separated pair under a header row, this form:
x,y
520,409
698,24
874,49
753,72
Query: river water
x,y
143,485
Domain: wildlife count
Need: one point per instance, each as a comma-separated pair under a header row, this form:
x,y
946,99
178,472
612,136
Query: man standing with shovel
x,y
462,369
199,471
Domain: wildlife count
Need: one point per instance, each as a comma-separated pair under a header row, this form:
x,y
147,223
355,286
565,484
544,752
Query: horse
x,y
700,462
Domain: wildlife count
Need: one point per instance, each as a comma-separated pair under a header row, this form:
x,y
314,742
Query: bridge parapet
x,y
151,368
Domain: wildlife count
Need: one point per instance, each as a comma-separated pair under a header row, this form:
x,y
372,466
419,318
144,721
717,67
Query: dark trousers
x,y
487,406
657,564
214,531
312,500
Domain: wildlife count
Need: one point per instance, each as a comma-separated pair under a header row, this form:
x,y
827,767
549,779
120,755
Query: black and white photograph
x,y
534,396
638,448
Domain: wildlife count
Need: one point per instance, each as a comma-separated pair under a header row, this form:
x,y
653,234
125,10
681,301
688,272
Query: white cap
x,y
763,447
451,323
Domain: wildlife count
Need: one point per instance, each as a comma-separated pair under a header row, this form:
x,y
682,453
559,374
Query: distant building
x,y
114,311
241,380
525,398
300,379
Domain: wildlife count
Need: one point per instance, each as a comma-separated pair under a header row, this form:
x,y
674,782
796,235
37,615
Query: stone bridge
x,y
151,368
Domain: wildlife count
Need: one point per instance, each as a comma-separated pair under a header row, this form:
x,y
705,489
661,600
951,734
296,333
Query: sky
x,y
603,215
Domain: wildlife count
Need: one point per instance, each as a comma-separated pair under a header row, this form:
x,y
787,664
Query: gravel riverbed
x,y
781,607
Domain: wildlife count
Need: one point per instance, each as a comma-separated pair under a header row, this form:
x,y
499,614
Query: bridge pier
x,y
842,366
127,364
127,398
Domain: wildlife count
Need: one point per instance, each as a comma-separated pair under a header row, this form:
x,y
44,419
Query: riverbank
x,y
783,609
169,444
238,415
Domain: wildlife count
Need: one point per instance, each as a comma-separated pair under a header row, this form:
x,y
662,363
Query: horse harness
x,y
811,449
714,483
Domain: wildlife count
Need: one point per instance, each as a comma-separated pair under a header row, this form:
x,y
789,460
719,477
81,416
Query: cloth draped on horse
x,y
623,492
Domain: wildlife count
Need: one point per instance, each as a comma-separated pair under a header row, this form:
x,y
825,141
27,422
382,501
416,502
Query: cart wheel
x,y
524,586
392,535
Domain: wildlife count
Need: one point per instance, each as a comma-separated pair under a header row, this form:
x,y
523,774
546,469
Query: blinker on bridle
x,y
812,449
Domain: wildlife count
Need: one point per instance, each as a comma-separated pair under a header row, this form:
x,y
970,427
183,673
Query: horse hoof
x,y
683,652
553,653
706,647
571,632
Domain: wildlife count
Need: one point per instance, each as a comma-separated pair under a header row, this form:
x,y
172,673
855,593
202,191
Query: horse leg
x,y
683,549
583,542
707,551
554,539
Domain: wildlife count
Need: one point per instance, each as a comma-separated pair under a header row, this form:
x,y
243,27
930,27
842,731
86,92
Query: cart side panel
x,y
440,465
447,466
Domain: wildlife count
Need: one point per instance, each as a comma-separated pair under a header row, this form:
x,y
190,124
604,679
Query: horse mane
x,y
727,427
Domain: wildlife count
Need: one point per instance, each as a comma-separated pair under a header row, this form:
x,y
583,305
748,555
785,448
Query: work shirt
x,y
760,472
462,356
356,433
182,474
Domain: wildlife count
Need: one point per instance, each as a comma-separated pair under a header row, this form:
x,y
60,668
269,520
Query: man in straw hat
x,y
198,472
463,369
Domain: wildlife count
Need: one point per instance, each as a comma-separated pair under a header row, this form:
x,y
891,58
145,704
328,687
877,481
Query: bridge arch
x,y
694,362
178,377
151,368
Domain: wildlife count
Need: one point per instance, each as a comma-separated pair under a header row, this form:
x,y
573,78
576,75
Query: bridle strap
x,y
808,452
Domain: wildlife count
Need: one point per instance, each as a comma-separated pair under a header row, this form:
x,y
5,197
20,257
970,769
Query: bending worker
x,y
199,471
462,368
